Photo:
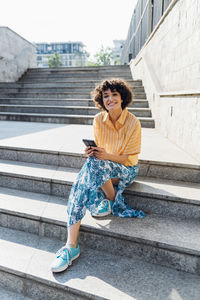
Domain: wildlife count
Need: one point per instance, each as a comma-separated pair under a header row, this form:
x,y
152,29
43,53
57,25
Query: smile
x,y
112,103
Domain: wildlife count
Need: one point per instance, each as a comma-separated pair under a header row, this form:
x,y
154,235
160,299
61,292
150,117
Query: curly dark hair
x,y
114,84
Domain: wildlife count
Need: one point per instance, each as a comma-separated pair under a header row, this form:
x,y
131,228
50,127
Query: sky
x,y
93,22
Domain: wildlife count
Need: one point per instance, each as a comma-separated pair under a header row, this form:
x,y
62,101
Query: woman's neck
x,y
114,115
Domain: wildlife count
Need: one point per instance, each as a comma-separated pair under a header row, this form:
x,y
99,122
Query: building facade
x,y
117,51
72,54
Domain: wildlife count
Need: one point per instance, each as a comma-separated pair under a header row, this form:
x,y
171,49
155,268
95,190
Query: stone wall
x,y
16,55
169,65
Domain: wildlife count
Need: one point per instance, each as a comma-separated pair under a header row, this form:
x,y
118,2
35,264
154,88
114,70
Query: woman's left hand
x,y
100,153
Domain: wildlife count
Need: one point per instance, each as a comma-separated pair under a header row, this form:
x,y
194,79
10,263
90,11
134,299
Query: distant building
x,y
72,54
117,50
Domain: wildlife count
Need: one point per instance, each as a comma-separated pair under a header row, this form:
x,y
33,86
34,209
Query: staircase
x,y
154,258
63,95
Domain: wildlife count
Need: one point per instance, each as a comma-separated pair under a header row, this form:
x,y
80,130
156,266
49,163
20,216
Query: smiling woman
x,y
115,129
109,169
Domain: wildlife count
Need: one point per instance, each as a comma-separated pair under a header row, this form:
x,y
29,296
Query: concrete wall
x,y
169,66
16,55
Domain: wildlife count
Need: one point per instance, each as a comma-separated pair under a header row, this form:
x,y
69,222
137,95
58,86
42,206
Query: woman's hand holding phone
x,y
93,150
89,151
101,153
98,152
90,144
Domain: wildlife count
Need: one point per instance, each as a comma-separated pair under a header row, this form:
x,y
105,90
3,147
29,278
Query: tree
x,y
102,58
54,61
117,62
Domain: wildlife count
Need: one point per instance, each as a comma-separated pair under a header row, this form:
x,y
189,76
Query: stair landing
x,y
68,138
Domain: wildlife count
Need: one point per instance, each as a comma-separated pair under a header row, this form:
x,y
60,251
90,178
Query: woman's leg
x,y
72,234
109,189
67,254
73,230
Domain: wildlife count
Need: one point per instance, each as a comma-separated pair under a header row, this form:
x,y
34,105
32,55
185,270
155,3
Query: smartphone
x,y
89,143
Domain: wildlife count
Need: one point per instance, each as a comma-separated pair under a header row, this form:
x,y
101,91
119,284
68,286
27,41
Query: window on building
x,y
75,47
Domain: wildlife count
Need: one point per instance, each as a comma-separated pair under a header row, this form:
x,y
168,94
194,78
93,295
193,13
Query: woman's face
x,y
112,100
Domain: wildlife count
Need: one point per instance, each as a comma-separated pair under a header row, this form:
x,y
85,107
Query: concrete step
x,y
74,69
139,103
153,195
157,153
84,71
69,95
53,89
8,295
182,171
63,95
82,76
95,275
66,79
46,90
147,168
74,110
187,173
171,242
80,71
75,77
87,84
80,81
61,119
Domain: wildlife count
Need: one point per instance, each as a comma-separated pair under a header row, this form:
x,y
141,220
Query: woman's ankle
x,y
72,245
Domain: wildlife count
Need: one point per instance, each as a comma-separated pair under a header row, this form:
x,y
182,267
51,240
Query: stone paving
x,y
68,138
120,258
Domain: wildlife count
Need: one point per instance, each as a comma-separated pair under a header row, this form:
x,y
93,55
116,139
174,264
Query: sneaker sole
x,y
65,267
102,215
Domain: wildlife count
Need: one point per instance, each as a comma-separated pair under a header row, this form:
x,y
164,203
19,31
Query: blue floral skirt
x,y
86,192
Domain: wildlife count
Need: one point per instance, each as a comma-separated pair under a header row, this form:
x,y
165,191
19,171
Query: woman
x,y
110,167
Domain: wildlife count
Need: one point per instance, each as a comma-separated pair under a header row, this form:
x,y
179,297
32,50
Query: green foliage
x,y
117,62
54,61
102,58
91,63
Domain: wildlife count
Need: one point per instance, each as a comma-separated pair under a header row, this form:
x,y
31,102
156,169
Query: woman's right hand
x,y
89,151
